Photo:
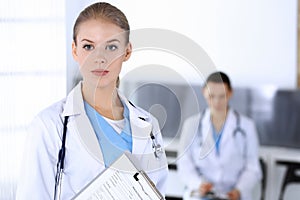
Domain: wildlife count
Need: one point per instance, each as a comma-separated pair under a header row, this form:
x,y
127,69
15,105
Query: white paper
x,y
122,180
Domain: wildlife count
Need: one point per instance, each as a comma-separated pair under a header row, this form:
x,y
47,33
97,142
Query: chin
x,y
105,84
219,110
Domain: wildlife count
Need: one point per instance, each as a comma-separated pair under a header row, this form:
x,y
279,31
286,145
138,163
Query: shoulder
x,y
190,126
143,118
196,118
246,122
53,110
143,114
138,110
46,126
51,115
135,110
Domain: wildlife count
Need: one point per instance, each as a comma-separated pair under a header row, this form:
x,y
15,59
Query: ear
x,y
74,53
128,51
230,93
204,91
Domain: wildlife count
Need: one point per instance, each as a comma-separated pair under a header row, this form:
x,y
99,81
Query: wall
x,y
246,39
254,41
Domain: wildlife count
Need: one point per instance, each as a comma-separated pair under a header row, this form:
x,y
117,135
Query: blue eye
x,y
88,47
111,47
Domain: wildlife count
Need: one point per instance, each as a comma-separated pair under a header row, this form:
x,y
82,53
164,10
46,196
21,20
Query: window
x,y
32,74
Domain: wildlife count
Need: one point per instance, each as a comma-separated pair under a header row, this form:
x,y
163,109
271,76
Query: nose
x,y
99,56
100,60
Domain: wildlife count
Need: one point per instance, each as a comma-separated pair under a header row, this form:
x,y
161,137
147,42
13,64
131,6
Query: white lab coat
x,y
237,166
83,160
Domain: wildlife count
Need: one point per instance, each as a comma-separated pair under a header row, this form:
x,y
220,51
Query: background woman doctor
x,y
215,156
102,123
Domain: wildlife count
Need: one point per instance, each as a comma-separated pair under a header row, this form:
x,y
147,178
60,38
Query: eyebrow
x,y
86,40
109,41
113,40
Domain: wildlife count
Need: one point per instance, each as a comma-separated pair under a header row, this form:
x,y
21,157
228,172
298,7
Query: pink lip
x,y
100,72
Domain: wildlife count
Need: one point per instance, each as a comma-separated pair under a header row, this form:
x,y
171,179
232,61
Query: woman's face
x,y
217,96
100,50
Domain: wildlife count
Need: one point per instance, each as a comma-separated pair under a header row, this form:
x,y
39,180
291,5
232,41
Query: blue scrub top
x,y
217,137
112,143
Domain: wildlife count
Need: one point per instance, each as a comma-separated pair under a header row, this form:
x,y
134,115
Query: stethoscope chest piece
x,y
158,151
157,148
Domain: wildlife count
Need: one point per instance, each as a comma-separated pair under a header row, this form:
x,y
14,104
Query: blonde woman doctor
x,y
219,148
100,123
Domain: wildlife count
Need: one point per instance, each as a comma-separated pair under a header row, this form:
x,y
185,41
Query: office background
x,y
255,42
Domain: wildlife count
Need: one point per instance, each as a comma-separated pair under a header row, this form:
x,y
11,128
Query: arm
x,y
252,172
38,168
163,171
186,166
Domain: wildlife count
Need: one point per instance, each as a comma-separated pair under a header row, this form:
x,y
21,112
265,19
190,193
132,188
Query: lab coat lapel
x,y
140,136
140,127
80,124
230,124
85,131
208,143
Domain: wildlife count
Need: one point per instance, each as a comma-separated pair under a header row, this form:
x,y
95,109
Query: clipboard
x,y
122,180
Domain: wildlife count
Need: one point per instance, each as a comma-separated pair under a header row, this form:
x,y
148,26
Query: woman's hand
x,y
205,188
234,194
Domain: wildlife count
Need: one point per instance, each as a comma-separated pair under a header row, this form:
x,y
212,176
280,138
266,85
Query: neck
x,y
218,119
104,100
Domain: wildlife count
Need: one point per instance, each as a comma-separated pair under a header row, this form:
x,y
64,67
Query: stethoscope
x,y
237,129
156,147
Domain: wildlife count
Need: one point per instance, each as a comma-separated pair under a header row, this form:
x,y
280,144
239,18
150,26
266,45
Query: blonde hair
x,y
102,10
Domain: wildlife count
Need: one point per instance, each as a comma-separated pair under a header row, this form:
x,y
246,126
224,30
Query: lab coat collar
x,y
230,125
207,134
141,126
140,122
74,102
135,111
208,143
206,128
80,124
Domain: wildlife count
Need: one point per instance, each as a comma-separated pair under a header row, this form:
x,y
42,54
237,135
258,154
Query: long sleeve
x,y
186,167
163,171
37,171
252,172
